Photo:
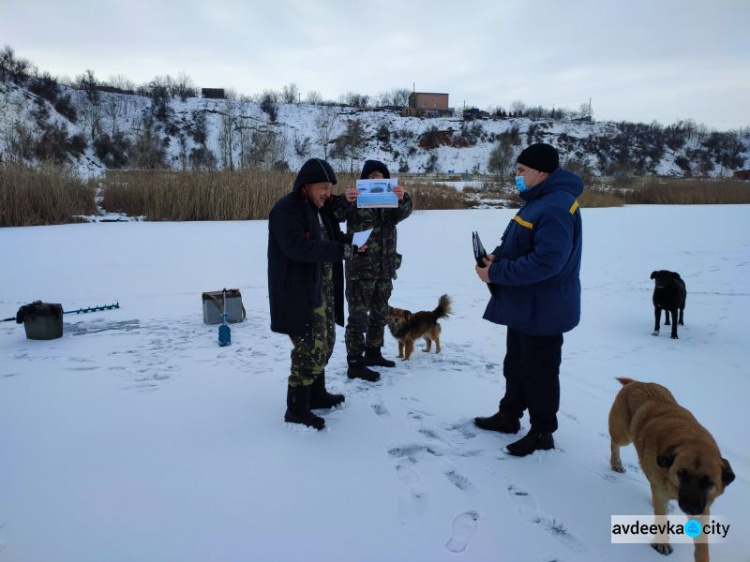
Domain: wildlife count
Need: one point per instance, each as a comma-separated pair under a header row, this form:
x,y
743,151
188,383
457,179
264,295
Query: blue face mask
x,y
521,184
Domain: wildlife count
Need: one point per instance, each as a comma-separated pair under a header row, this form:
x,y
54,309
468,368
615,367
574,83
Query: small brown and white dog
x,y
678,456
407,327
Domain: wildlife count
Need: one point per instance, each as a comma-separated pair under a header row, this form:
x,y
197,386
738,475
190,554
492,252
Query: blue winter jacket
x,y
534,279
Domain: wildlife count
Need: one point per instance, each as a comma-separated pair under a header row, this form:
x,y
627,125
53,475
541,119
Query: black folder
x,y
479,252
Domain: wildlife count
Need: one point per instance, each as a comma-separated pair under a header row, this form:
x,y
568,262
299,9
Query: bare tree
x,y
228,137
314,98
517,107
350,144
502,156
92,111
354,99
147,150
114,106
268,103
383,99
400,97
302,146
121,83
290,93
584,111
325,125
266,149
13,68
159,91
184,87
243,130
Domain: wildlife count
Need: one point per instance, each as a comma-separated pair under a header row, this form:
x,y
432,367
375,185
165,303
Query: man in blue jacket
x,y
536,292
306,286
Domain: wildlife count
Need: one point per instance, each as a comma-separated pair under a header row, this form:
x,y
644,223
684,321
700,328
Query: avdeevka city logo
x,y
678,528
693,528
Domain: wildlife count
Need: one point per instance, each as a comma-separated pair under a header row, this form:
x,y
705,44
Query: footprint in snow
x,y
380,409
463,529
458,480
417,501
526,503
465,428
528,509
417,414
609,477
558,530
429,433
412,451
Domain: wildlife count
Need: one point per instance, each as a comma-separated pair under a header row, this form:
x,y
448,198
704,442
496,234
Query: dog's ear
x,y
653,275
666,459
676,275
727,474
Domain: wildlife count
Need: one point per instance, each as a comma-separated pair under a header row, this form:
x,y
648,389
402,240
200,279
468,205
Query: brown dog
x,y
678,455
407,327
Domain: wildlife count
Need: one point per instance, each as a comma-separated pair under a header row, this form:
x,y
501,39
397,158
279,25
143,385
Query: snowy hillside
x,y
108,130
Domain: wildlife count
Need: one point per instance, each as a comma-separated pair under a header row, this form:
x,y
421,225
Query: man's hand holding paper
x,y
359,239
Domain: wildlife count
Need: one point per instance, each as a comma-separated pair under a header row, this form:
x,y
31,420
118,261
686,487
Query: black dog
x,y
669,295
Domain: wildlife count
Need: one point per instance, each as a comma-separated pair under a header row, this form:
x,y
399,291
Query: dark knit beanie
x,y
314,170
374,166
540,156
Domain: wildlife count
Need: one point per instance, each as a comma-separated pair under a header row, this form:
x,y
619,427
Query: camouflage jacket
x,y
381,260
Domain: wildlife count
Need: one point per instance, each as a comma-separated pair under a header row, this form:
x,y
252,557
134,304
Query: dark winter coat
x,y
535,276
296,253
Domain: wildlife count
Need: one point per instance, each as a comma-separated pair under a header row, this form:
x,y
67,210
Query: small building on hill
x,y
213,93
428,104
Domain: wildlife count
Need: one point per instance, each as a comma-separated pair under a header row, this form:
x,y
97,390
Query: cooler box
x,y
212,307
41,320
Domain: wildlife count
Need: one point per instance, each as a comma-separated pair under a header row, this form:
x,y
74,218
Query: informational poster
x,y
377,193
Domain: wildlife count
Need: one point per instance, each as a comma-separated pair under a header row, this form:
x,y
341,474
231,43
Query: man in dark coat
x,y
369,276
536,292
306,286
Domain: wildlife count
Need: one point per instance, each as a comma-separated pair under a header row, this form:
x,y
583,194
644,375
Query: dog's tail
x,y
625,381
443,309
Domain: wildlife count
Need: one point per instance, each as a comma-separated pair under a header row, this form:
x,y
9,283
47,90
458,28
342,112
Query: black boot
x,y
533,441
499,422
358,370
320,397
374,358
298,408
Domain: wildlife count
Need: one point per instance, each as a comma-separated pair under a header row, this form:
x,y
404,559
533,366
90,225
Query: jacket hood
x,y
314,170
374,166
559,180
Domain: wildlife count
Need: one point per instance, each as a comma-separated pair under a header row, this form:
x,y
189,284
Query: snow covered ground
x,y
135,437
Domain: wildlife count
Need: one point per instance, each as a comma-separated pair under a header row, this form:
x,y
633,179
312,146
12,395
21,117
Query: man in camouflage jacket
x,y
369,275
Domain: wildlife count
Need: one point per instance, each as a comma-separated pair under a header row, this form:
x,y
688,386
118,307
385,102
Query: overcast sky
x,y
637,60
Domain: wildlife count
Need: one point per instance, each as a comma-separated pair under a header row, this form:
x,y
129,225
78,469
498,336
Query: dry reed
x,y
656,191
46,194
245,195
195,196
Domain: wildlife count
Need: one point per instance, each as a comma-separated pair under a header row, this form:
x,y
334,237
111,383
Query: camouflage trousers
x,y
367,300
312,351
